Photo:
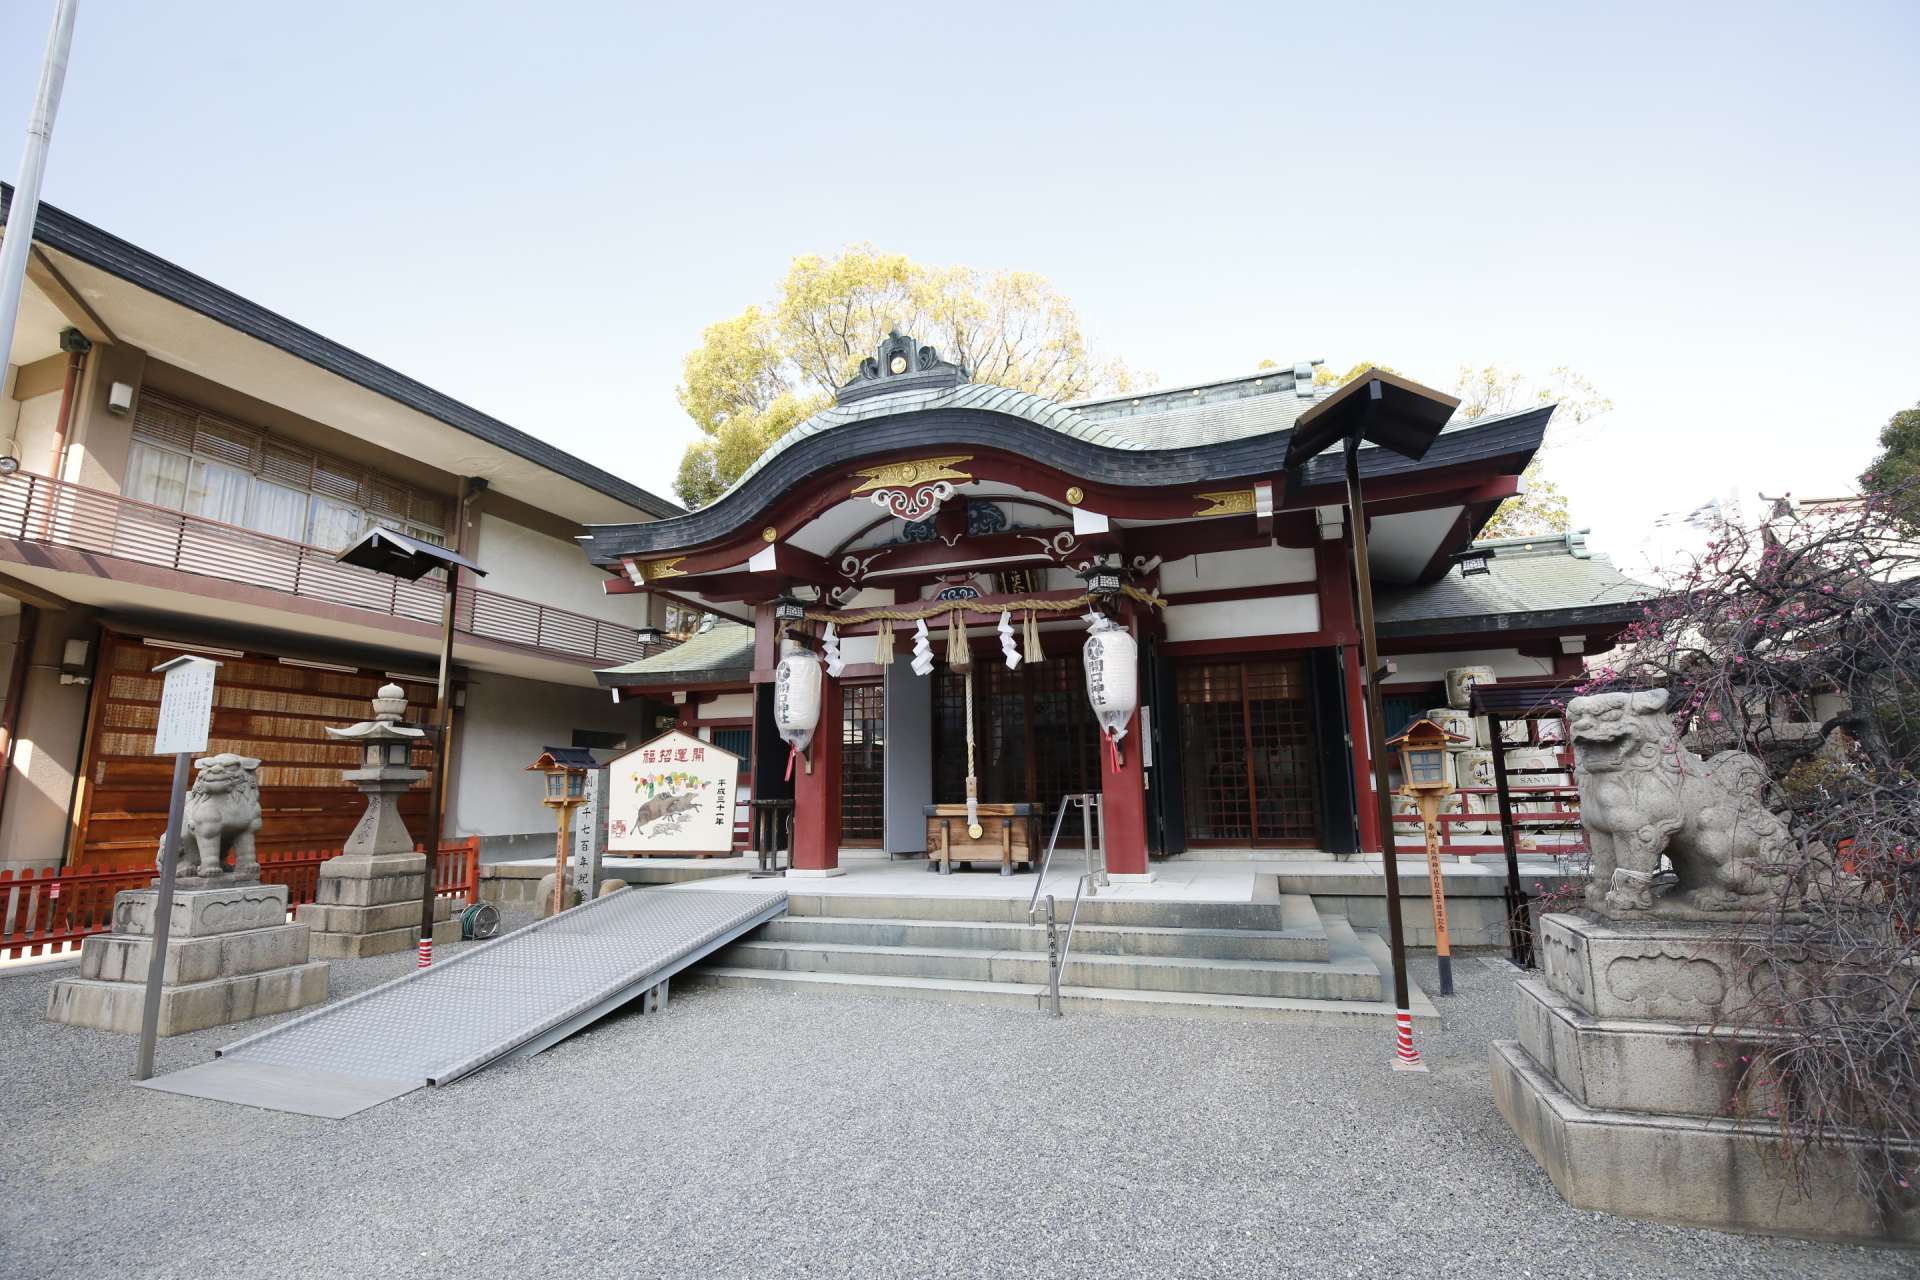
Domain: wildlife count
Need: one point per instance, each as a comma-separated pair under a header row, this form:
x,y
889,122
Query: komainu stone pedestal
x,y
369,905
1623,1085
231,956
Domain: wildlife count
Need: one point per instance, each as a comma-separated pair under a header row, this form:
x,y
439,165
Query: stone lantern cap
x,y
389,704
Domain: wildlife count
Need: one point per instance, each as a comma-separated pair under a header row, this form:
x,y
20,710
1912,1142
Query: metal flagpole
x,y
25,209
1406,1057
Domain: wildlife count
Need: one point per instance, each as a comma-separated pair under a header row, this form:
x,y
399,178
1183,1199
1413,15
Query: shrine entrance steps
x,y
1275,959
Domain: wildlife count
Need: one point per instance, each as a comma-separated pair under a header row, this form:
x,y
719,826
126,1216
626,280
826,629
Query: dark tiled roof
x,y
724,651
91,245
1532,582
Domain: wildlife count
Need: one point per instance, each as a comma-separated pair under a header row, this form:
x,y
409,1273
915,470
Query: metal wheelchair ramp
x,y
509,997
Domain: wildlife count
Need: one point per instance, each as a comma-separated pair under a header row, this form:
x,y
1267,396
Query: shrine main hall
x,y
938,549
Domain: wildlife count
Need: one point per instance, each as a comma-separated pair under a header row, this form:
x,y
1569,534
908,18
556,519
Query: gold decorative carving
x,y
769,534
654,570
1235,502
1075,495
919,471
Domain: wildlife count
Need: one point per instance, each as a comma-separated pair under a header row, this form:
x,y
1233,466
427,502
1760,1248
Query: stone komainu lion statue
x,y
222,812
1642,795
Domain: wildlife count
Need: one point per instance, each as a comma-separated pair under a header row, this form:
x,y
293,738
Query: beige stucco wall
x,y
532,565
504,725
33,827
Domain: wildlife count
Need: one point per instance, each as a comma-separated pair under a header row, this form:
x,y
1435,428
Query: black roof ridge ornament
x,y
900,364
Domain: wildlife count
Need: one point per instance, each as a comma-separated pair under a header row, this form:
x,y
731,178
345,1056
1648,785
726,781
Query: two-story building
x,y
181,465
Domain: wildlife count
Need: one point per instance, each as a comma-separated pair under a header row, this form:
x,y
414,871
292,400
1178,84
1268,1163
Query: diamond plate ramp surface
x,y
515,995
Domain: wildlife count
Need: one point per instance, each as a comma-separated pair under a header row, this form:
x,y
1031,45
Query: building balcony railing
x,y
54,513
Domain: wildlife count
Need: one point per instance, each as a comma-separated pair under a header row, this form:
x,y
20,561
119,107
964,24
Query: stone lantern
x,y
368,900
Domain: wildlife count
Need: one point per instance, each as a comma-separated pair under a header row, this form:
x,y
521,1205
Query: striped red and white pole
x,y
426,952
1405,1056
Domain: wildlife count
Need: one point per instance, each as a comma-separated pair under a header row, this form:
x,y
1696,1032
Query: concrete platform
x,y
1723,1174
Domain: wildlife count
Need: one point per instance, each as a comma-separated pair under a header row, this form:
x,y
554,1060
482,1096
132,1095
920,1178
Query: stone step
x,y
116,1006
1349,977
1088,939
1275,912
122,957
1072,999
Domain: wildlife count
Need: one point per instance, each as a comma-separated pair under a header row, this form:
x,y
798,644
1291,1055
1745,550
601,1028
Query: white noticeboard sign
x,y
672,795
590,835
186,706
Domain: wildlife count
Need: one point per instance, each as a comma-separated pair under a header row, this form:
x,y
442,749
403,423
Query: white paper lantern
x,y
1113,665
796,698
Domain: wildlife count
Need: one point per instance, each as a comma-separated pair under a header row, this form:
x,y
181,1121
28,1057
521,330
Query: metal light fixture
x,y
648,636
8,465
788,609
1473,561
1103,580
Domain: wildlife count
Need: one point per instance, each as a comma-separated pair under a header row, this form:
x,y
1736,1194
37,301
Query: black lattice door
x,y
1247,734
863,753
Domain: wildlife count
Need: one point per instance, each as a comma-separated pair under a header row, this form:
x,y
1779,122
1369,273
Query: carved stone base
x,y
1674,972
231,956
1624,1089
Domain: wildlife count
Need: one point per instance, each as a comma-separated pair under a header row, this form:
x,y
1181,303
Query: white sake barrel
x,y
1460,682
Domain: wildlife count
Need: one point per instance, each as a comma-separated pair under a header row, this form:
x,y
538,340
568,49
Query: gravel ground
x,y
762,1133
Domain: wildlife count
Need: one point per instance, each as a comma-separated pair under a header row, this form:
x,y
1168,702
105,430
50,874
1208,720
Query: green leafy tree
x,y
1896,471
756,375
1492,389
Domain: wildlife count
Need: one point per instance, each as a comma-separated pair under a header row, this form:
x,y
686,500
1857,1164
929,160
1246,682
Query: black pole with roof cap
x,y
399,555
1404,417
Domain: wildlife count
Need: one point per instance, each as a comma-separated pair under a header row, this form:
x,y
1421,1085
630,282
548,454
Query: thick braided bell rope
x,y
852,617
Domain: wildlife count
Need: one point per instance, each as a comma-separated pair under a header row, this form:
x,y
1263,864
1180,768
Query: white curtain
x,y
334,524
156,476
219,492
278,510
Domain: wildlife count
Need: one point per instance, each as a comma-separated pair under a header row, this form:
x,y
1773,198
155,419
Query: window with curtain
x,y
278,510
189,460
218,492
156,475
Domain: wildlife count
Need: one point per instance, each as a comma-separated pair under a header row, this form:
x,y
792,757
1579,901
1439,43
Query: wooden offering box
x,y
1006,836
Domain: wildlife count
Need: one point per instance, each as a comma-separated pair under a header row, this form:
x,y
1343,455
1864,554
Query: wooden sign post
x,y
186,720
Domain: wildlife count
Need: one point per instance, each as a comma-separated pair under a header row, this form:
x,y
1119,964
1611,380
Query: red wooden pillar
x,y
1362,759
1123,792
816,795
1123,797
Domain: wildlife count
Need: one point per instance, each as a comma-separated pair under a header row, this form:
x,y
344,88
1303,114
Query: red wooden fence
x,y
48,910
1557,829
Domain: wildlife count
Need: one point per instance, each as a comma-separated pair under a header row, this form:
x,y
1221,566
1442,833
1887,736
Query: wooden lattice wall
x,y
263,707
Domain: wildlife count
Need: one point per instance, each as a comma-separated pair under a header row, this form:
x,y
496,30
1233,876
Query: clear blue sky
x,y
1709,210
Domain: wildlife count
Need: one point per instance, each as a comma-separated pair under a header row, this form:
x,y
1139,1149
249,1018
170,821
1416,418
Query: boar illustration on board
x,y
668,809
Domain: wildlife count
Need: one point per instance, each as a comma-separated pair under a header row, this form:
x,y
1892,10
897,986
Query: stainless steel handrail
x,y
1060,951
1046,859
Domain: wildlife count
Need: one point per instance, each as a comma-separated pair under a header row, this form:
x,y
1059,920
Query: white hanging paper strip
x,y
1007,646
830,647
922,649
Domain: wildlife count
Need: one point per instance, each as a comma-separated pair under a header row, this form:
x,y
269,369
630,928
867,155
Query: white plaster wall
x,y
505,723
1236,619
1252,567
1427,668
522,562
727,706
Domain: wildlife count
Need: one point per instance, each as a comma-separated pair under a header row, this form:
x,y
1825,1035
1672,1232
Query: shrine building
x,y
921,499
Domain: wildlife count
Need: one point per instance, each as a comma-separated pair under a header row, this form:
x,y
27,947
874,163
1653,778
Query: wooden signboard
x,y
672,796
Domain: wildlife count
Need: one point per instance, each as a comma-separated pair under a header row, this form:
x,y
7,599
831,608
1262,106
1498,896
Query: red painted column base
x,y
1123,796
816,794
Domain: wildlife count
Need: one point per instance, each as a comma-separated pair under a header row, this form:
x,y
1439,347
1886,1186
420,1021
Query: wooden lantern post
x,y
1428,780
565,769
